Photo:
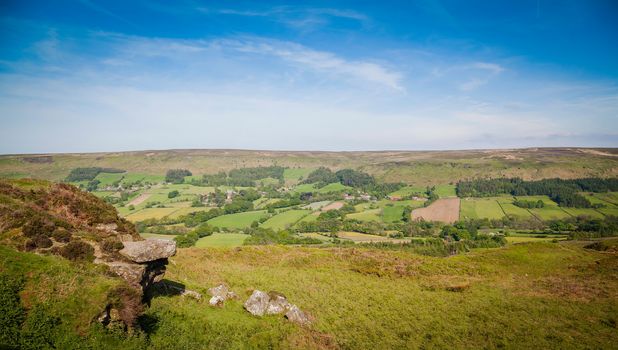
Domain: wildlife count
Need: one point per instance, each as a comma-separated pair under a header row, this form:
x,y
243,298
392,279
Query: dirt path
x,y
139,199
444,210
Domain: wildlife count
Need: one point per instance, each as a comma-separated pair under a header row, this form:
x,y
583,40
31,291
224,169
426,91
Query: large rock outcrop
x,y
49,218
145,262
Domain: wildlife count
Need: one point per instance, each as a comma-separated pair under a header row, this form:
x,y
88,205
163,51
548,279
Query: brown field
x,y
332,206
139,199
445,210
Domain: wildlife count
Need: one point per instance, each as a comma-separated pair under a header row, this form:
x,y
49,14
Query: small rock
x,y
296,315
257,303
222,291
216,301
277,304
191,294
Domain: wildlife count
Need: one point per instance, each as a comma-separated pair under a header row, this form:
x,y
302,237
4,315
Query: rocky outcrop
x,y
274,303
146,263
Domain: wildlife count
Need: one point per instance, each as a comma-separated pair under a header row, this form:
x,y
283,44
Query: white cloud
x,y
249,92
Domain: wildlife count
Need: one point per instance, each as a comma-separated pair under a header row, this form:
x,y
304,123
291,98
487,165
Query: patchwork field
x,y
444,209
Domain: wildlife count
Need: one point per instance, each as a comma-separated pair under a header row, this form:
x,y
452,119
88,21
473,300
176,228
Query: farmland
x,y
445,210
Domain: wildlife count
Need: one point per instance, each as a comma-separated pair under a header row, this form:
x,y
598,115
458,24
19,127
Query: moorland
x,y
433,249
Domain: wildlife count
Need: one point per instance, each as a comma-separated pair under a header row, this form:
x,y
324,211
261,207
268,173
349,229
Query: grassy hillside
x,y
419,168
539,295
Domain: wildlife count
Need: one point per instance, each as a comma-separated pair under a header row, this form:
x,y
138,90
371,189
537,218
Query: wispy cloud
x,y
297,17
325,62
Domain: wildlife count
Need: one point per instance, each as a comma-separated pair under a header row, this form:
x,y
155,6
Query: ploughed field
x,y
444,210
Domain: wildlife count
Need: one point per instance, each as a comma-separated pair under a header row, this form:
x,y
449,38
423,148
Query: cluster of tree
x,y
432,195
93,185
244,176
381,190
348,177
88,174
189,239
321,176
529,204
173,194
261,236
563,192
177,176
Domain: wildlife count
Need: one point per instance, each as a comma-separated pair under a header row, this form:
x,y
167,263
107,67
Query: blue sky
x,y
92,75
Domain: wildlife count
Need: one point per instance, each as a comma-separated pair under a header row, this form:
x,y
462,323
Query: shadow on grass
x,y
164,288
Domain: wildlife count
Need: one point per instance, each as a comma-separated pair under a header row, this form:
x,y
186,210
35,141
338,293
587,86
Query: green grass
x,y
286,219
584,212
528,239
334,187
512,210
56,289
392,214
533,295
367,215
477,208
293,175
446,191
304,188
149,213
409,190
107,178
157,236
238,220
222,240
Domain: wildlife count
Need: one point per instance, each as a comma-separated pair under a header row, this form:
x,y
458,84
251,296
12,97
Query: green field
x,y
367,215
593,213
157,236
222,240
293,175
476,208
519,239
512,210
392,214
286,219
238,220
304,188
409,190
148,213
446,191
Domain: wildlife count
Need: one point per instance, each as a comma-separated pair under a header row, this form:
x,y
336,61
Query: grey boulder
x,y
148,250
